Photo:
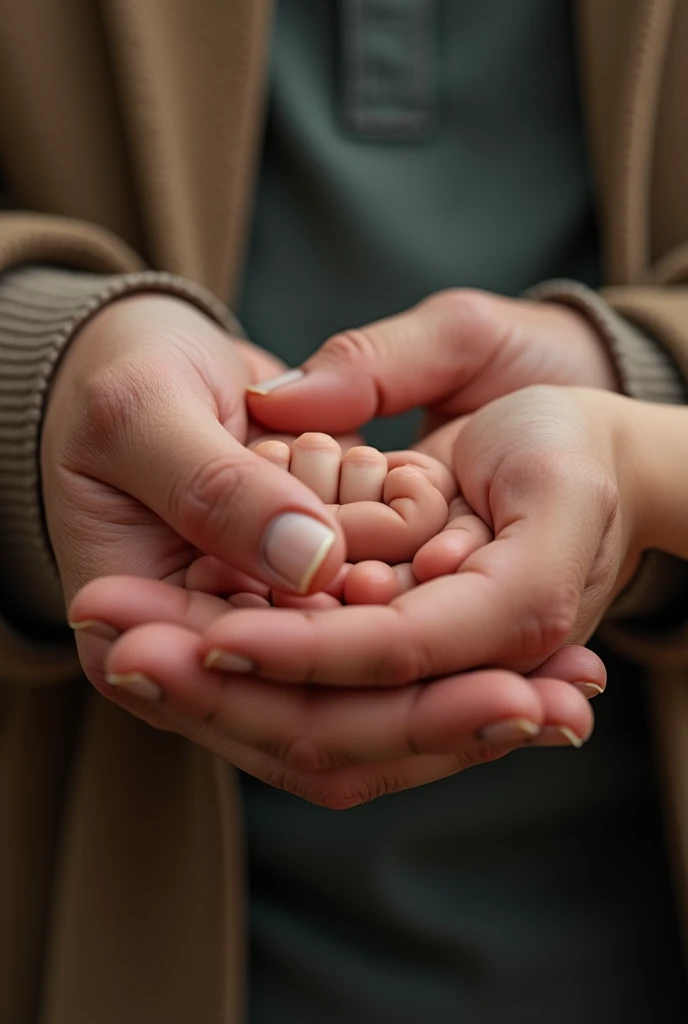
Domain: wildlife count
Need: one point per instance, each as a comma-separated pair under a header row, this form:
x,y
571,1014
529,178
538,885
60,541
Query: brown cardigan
x,y
129,130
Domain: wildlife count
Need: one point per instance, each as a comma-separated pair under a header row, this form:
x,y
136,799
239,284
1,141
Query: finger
x,y
226,500
568,718
363,475
413,511
417,358
212,576
276,452
247,600
447,551
578,666
513,603
329,598
311,602
314,730
119,603
436,471
449,624
372,583
256,436
404,573
316,461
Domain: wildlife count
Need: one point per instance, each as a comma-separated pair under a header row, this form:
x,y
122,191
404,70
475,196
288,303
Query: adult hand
x,y
334,747
453,353
144,464
553,473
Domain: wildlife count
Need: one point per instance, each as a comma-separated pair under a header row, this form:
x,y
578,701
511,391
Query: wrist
x,y
659,438
596,367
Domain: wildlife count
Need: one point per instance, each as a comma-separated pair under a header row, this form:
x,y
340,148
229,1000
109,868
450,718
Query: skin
x,y
515,599
389,506
103,491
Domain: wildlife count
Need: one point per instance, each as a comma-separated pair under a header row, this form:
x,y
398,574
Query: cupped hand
x,y
388,505
144,464
334,747
552,473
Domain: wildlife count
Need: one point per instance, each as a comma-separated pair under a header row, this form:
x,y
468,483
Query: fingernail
x,y
511,730
95,628
295,546
225,661
137,684
558,736
589,690
265,387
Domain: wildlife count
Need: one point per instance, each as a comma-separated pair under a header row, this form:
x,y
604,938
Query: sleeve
x,y
645,330
54,275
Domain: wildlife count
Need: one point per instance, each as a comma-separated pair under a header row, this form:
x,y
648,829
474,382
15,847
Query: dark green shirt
x,y
412,146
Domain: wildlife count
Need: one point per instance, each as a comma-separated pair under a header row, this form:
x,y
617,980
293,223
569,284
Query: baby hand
x,y
389,506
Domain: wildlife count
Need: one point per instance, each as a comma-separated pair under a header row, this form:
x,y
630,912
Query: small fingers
x,y
413,511
363,474
437,473
371,583
316,461
274,451
445,553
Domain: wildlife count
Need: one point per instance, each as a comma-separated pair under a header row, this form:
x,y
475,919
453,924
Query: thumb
x,y
420,357
228,502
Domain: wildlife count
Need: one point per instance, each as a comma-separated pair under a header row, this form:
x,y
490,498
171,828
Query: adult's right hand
x,y
144,464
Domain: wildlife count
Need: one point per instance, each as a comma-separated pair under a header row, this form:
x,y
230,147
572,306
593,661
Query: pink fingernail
x,y
295,546
266,387
511,730
558,736
226,661
589,690
94,627
137,684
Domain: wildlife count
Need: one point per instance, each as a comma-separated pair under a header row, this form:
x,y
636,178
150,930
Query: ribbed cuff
x,y
645,369
41,310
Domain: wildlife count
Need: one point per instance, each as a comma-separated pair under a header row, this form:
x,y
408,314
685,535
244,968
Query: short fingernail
x,y
589,690
225,661
94,627
511,730
558,736
295,546
266,387
137,684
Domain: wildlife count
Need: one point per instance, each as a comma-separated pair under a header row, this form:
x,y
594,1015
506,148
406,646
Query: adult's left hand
x,y
333,746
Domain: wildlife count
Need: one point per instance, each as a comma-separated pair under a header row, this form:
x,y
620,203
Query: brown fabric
x,y
40,311
645,370
129,130
120,874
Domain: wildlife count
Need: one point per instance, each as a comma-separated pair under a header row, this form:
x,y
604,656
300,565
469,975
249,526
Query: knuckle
x,y
549,620
203,502
109,401
353,346
464,306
